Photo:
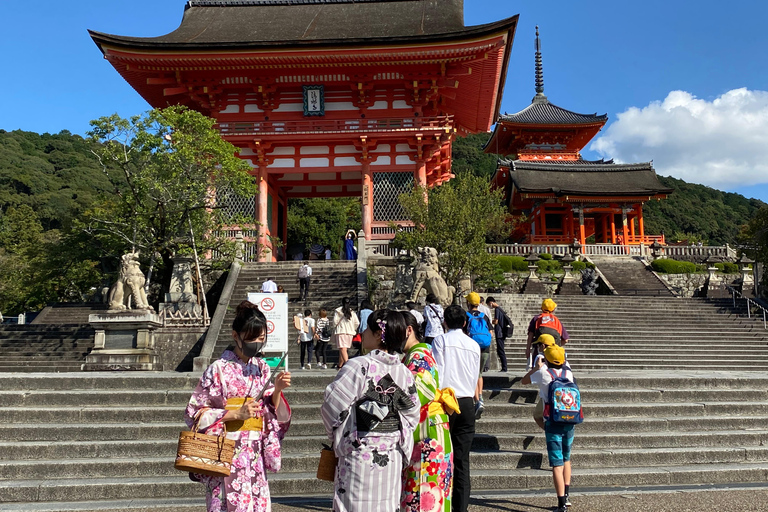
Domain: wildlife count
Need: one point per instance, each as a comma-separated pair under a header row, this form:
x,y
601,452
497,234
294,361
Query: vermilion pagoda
x,y
565,197
328,98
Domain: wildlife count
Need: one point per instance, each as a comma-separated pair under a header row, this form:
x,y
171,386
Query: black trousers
x,y
307,346
462,427
321,349
501,352
303,287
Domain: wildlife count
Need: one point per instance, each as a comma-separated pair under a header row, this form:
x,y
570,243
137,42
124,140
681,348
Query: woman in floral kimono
x,y
225,396
370,411
427,482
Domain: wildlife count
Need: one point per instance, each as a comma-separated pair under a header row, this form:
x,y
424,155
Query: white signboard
x,y
275,308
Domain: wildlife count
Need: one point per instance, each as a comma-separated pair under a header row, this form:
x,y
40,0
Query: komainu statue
x,y
129,285
427,275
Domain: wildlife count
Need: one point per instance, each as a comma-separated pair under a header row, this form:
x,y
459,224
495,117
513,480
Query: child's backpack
x,y
506,325
303,272
477,329
564,400
547,323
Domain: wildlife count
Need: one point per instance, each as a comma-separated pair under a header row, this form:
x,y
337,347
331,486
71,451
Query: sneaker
x,y
567,501
324,366
309,366
479,408
560,509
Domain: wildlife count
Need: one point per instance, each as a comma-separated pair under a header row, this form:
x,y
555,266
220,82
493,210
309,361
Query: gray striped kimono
x,y
370,412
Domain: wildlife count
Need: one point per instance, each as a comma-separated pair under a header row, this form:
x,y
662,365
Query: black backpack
x,y
325,333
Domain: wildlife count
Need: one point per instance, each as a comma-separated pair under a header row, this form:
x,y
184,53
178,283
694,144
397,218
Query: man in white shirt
x,y
458,363
268,286
327,253
305,271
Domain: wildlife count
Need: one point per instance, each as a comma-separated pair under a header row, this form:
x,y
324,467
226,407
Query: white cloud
x,y
721,143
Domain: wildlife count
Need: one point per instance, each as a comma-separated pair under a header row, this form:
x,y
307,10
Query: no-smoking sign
x,y
267,304
270,327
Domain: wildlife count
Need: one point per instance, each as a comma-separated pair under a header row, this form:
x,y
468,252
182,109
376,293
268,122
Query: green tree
x,y
38,267
164,167
457,219
469,156
322,220
754,238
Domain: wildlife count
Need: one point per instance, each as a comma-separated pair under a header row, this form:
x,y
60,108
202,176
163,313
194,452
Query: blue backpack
x,y
477,329
564,400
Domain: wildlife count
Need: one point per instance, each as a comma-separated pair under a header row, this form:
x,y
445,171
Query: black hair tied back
x,y
249,321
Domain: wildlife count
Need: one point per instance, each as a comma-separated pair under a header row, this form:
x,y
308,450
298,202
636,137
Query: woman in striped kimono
x,y
370,412
427,482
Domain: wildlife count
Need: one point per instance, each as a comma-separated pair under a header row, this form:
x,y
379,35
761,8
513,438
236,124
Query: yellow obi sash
x,y
445,401
239,425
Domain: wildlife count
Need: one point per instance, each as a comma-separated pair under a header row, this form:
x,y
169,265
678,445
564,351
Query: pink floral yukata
x,y
246,488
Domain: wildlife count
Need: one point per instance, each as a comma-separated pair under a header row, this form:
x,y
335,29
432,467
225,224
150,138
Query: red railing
x,y
336,125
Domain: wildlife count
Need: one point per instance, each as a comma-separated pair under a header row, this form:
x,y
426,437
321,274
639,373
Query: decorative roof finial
x,y
539,71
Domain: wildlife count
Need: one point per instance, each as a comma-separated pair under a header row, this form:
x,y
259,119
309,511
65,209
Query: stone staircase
x,y
106,441
629,276
645,333
44,348
330,282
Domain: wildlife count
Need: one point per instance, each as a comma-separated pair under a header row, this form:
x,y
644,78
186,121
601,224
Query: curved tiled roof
x,y
541,111
244,23
586,178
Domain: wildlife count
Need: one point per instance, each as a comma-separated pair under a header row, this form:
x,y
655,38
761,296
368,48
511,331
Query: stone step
x,y
191,504
305,484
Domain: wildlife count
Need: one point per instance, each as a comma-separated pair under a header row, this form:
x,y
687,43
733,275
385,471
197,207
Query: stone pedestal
x,y
124,341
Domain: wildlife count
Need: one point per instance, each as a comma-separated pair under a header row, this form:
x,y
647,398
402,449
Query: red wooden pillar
x,y
624,226
261,211
367,198
640,221
632,227
613,228
605,228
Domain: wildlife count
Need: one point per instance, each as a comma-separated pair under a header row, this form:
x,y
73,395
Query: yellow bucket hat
x,y
545,339
548,305
555,354
473,299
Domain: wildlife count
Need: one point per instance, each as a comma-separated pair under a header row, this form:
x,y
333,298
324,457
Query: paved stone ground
x,y
688,500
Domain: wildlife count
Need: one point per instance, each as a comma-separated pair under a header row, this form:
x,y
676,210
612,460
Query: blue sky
x,y
617,57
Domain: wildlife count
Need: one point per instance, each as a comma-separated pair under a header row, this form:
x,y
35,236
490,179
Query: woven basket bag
x,y
204,454
326,470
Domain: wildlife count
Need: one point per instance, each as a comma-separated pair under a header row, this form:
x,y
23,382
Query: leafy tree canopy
x,y
322,221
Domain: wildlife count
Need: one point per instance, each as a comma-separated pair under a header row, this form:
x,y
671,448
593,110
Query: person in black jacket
x,y
502,327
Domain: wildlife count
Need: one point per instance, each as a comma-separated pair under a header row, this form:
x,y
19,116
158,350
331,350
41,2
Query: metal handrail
x,y
735,292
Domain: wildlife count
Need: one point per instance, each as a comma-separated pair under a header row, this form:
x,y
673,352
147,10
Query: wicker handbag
x,y
205,454
326,470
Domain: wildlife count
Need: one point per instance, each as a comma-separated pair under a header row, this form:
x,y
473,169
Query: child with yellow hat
x,y
559,436
545,323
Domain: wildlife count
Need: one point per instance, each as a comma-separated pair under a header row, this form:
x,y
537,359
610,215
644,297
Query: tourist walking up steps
x,y
307,338
304,274
370,412
479,329
502,329
323,333
457,357
428,480
434,317
556,383
545,323
345,324
269,286
223,397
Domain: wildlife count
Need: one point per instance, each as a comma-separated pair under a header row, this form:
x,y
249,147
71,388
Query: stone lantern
x,y
747,278
710,261
656,248
532,267
575,249
567,260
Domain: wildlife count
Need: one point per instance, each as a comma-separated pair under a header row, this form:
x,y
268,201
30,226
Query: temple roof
x,y
541,111
254,23
591,178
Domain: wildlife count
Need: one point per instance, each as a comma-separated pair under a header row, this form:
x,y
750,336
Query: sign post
x,y
275,308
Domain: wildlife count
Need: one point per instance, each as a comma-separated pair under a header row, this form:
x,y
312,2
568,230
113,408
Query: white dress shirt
x,y
458,362
268,286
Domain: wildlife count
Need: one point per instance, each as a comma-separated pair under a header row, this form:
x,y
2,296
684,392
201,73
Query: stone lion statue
x,y
427,275
130,284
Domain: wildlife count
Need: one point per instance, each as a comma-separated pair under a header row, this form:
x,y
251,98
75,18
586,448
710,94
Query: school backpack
x,y
477,329
303,272
504,323
564,400
547,323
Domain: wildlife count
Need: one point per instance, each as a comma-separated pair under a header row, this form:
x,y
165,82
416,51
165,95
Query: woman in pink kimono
x,y
225,395
370,411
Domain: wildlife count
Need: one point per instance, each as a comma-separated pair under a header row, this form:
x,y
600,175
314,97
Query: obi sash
x,y
444,403
240,425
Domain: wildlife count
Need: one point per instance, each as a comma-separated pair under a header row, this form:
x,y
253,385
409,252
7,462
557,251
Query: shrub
x,y
546,265
545,256
513,263
667,266
578,266
730,268
720,267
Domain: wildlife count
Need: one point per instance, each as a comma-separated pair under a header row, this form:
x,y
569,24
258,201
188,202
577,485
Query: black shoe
x,y
503,370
